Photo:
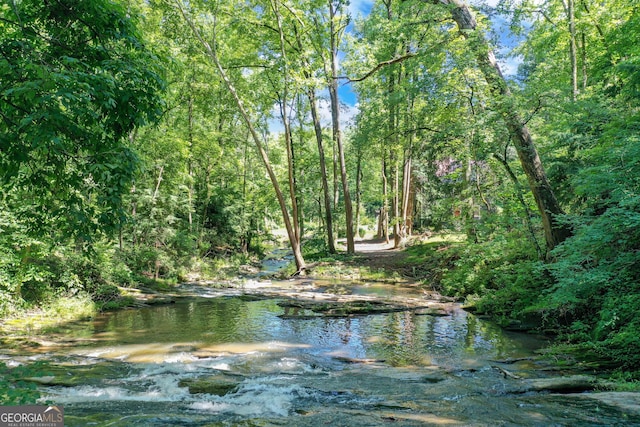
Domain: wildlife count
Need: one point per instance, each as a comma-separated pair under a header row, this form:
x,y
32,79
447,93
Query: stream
x,y
225,358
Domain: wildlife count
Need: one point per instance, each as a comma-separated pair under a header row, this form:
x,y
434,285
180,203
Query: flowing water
x,y
233,360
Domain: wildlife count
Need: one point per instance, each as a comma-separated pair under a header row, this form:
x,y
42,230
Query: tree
x,y
317,128
392,41
212,51
337,25
548,206
75,81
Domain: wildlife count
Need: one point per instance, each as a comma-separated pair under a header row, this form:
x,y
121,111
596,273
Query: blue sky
x,y
360,8
509,65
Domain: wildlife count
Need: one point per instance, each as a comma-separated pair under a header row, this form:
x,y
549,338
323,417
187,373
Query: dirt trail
x,y
376,254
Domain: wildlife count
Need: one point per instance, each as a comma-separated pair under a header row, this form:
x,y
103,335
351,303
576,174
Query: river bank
x,y
432,334
282,353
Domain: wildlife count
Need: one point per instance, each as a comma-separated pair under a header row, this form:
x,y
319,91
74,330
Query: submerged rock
x,y
50,380
218,385
569,384
624,400
358,360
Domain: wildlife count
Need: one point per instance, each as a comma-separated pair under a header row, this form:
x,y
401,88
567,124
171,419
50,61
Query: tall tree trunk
x,y
245,241
406,178
395,198
406,193
393,143
158,181
212,53
134,214
323,170
411,207
190,161
583,47
573,50
548,206
291,172
301,136
384,211
358,190
286,120
337,134
336,186
317,128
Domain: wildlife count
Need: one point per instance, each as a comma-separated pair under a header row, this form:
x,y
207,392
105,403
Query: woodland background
x,y
160,141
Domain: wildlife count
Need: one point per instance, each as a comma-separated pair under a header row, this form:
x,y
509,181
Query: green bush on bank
x,y
588,294
13,389
38,275
502,276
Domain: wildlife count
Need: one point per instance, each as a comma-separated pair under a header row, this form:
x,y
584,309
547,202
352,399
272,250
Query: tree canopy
x,y
76,80
165,136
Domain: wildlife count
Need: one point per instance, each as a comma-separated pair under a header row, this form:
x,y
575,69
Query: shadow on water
x,y
229,361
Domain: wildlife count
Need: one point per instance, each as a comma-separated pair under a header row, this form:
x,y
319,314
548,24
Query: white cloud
x,y
347,114
360,7
509,66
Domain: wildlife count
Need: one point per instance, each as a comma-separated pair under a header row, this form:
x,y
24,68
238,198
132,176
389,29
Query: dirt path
x,y
377,254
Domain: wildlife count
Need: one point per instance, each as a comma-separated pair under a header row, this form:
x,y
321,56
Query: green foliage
x,y
75,80
597,271
13,389
79,163
315,247
503,274
43,277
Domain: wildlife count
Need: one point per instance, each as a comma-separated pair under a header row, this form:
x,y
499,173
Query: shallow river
x,y
136,368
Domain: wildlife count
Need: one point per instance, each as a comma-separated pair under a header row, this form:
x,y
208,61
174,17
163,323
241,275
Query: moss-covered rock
x,y
218,385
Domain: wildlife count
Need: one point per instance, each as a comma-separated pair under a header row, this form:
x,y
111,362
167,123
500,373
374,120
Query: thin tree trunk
x,y
393,144
134,213
358,190
384,212
320,216
527,211
337,134
286,120
211,52
158,181
134,205
190,163
411,207
573,51
317,128
246,241
395,199
323,170
299,198
585,76
291,171
406,192
407,178
548,206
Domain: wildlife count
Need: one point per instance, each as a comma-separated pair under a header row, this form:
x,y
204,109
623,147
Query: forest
x,y
153,142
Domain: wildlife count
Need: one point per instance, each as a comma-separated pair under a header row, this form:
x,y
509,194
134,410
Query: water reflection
x,y
294,371
400,338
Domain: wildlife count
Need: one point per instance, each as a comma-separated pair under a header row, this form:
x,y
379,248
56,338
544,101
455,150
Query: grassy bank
x,y
506,281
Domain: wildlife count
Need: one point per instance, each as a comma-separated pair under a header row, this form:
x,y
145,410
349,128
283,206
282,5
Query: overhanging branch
x,y
395,60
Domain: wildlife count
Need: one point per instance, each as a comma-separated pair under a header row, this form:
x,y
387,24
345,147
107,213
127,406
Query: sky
x,y
360,8
508,65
